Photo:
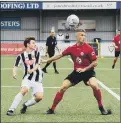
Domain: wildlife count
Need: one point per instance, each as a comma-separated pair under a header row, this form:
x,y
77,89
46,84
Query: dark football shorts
x,y
117,53
76,77
51,54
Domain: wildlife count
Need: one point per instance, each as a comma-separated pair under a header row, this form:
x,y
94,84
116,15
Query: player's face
x,y
52,34
80,37
32,44
118,33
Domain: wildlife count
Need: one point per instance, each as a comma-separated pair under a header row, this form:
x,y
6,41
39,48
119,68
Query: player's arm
x,y
46,47
92,65
113,43
57,48
34,69
60,55
93,58
52,58
14,72
16,65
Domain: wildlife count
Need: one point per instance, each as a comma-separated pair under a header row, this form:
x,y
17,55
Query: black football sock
x,y
46,65
54,65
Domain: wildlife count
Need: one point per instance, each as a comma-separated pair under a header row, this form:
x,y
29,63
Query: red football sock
x,y
56,100
97,94
114,61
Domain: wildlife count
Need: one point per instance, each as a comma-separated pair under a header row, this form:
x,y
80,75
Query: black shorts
x,y
117,53
51,54
76,77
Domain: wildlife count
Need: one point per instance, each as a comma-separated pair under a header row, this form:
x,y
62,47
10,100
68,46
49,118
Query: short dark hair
x,y
27,40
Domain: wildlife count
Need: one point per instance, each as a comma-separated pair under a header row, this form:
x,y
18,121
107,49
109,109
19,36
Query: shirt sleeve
x,y
18,61
91,54
114,39
38,58
67,51
47,42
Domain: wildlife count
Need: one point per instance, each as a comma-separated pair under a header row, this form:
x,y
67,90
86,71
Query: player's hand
x,y
81,70
116,47
14,76
46,54
59,50
30,71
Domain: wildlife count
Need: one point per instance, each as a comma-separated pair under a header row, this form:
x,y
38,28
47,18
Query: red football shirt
x,y
82,55
116,40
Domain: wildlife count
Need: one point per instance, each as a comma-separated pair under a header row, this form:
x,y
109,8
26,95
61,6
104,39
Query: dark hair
x,y
27,40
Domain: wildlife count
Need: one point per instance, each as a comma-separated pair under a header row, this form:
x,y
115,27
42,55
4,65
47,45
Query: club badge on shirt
x,y
82,54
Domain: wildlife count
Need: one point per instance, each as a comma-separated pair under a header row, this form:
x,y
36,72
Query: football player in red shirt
x,y
85,60
116,44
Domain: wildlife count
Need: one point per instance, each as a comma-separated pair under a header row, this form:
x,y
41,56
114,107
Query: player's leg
x,y
35,99
37,93
54,65
59,95
97,93
115,59
17,100
71,80
47,64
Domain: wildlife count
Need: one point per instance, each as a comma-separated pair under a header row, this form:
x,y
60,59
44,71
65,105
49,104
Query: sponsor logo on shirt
x,y
78,60
29,62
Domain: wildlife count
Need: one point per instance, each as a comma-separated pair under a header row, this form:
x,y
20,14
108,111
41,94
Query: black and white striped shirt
x,y
29,60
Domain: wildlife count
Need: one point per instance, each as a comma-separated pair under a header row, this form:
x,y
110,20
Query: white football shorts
x,y
35,86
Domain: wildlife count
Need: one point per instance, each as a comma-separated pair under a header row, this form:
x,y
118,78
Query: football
x,y
73,20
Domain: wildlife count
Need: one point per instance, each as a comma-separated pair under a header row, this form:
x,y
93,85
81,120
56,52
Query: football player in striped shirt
x,y
32,78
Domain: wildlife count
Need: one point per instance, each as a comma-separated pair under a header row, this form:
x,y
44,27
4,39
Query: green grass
x,y
78,104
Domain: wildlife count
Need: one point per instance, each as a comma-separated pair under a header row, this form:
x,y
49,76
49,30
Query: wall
x,y
105,22
38,23
29,25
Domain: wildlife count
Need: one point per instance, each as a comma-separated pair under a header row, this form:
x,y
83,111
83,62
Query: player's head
x,y
80,35
29,42
118,32
52,33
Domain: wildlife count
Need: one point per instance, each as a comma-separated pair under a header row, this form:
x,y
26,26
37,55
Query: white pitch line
x,y
109,90
105,87
57,87
20,86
